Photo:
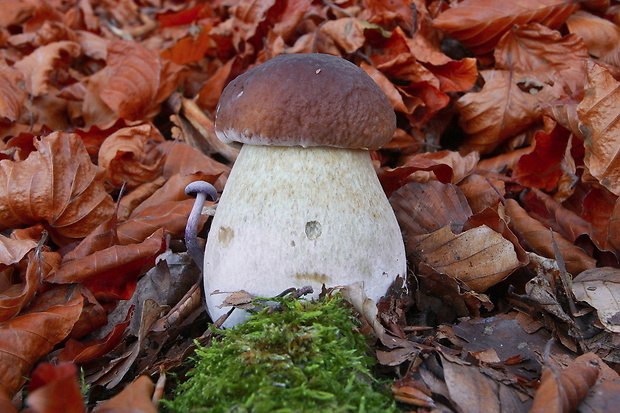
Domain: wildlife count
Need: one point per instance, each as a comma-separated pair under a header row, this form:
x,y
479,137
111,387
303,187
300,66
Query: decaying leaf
x,y
537,238
479,24
598,114
26,338
600,36
130,156
479,257
57,185
135,397
600,287
55,388
505,106
562,391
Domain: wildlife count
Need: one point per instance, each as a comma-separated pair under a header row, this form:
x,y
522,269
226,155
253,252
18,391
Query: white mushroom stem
x,y
292,216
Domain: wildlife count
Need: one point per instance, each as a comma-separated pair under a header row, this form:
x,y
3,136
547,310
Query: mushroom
x,y
303,204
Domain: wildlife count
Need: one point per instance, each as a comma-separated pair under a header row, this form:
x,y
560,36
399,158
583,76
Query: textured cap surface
x,y
305,100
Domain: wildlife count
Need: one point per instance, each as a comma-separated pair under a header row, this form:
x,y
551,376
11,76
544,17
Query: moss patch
x,y
305,357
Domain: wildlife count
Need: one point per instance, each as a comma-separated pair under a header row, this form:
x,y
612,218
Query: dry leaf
x,y
537,238
600,35
130,156
600,287
58,185
479,24
424,208
505,106
479,257
44,62
598,113
54,388
562,391
135,398
27,338
534,48
12,96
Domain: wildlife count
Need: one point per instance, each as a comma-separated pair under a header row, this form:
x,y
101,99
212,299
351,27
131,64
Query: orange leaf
x,y
27,338
135,398
39,66
12,96
537,238
131,87
112,273
456,76
534,48
169,216
55,388
599,113
57,184
501,109
479,24
563,391
542,168
130,156
79,352
424,208
601,36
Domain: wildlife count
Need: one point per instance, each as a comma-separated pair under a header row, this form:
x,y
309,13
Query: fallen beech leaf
x,y
388,88
424,208
13,250
456,76
55,388
135,398
130,156
392,179
18,295
461,165
170,216
542,168
184,160
131,87
501,109
473,391
600,35
26,338
12,96
15,12
57,184
534,48
39,66
479,257
210,92
413,392
614,226
600,287
479,24
482,191
395,59
563,391
347,32
599,114
190,48
112,273
537,238
565,221
82,352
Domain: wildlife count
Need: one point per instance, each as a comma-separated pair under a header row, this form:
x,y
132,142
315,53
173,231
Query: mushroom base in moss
x,y
293,216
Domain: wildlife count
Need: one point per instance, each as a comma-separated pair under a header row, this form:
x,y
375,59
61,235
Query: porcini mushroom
x,y
303,204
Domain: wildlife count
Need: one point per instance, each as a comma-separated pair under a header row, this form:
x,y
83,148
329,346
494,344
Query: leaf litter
x,y
502,173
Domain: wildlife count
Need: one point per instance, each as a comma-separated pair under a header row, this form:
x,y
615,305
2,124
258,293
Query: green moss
x,y
305,357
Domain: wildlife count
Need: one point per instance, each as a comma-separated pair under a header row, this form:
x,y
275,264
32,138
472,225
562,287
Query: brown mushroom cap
x,y
305,100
